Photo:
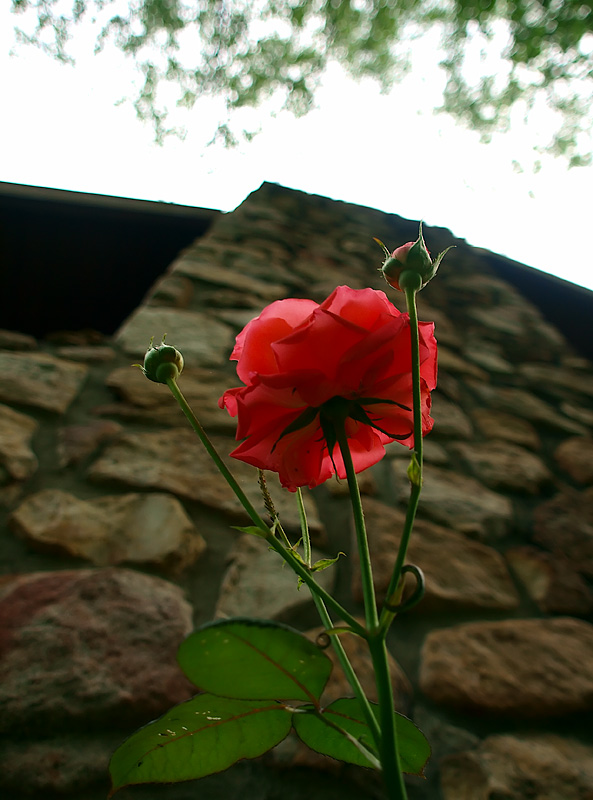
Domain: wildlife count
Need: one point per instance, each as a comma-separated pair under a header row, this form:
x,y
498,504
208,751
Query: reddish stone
x,y
89,646
531,668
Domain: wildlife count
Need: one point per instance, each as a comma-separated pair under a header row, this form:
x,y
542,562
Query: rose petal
x,y
253,348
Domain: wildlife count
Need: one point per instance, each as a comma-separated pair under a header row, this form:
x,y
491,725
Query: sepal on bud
x,y
162,362
410,266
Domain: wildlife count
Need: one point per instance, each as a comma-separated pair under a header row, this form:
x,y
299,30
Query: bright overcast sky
x,y
61,129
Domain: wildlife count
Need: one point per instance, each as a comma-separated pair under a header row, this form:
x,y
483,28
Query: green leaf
x,y
205,735
324,563
346,714
252,529
318,566
254,659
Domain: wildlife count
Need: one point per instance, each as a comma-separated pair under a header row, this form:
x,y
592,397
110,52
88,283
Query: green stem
x,y
301,570
415,473
327,622
394,590
283,536
416,393
389,753
304,528
351,676
366,572
222,467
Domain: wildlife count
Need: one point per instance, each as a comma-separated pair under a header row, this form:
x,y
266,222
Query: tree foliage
x,y
248,50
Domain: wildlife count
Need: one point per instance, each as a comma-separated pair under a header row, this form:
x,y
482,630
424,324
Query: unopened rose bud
x,y
162,362
410,266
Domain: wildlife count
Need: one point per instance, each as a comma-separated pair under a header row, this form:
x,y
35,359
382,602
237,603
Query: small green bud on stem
x,y
162,362
410,266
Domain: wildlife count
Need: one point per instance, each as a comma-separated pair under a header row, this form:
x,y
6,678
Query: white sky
x,y
60,128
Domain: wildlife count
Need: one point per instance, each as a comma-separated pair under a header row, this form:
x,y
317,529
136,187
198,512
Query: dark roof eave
x,y
22,192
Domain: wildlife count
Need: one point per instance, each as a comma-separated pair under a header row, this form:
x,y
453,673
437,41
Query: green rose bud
x,y
162,362
410,266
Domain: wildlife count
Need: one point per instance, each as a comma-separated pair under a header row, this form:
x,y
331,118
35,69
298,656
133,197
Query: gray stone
x,y
506,466
461,503
323,274
572,361
449,419
488,356
17,460
87,337
56,765
252,256
501,322
482,289
506,427
145,400
564,526
445,331
449,361
12,340
473,576
87,355
551,581
582,414
174,291
231,277
217,299
238,317
509,319
546,341
40,380
557,381
526,406
89,647
444,738
10,494
133,528
215,248
203,340
367,484
531,668
78,442
275,594
174,460
259,249
542,766
433,452
452,388
575,456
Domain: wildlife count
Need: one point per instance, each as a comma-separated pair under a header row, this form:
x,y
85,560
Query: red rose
x,y
301,362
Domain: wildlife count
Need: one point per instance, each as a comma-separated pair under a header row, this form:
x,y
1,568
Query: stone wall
x,y
116,530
